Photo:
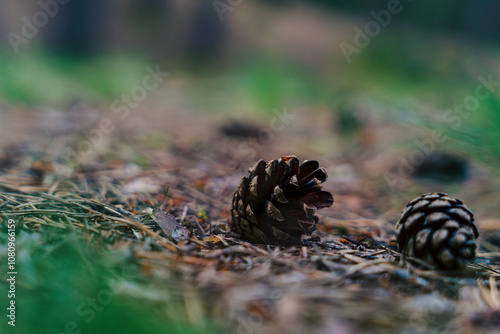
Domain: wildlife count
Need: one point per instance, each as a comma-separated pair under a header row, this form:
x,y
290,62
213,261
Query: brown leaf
x,y
170,227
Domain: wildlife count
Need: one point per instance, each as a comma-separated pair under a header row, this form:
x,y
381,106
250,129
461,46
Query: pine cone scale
x,y
273,212
307,168
319,199
318,176
279,196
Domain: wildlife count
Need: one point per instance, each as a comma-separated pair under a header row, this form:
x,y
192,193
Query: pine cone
x,y
277,202
438,229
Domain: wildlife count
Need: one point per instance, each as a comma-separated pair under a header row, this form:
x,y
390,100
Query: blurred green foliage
x,y
45,79
416,76
422,88
274,83
73,287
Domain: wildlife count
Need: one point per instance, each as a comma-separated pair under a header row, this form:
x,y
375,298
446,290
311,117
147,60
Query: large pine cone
x,y
277,202
438,229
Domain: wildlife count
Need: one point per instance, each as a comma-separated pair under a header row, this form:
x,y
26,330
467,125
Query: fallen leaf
x,y
170,227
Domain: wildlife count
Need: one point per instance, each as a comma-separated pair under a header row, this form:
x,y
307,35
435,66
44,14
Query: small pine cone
x,y
438,229
276,203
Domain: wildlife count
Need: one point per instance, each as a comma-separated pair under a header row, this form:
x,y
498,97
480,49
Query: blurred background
x,y
385,75
64,41
396,98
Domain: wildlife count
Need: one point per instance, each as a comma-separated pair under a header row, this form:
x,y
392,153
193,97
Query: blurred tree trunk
x,y
78,28
482,18
205,36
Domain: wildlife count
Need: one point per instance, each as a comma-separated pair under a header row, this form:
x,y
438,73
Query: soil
x,y
348,278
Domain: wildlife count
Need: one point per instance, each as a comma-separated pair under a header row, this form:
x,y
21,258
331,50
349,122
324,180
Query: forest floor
x,y
67,176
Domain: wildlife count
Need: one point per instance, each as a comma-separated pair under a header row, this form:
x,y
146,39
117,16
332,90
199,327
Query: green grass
x,y
43,79
406,72
68,285
422,78
271,83
255,86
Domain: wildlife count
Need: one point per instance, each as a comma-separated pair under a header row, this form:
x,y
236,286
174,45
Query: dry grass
x,y
353,283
